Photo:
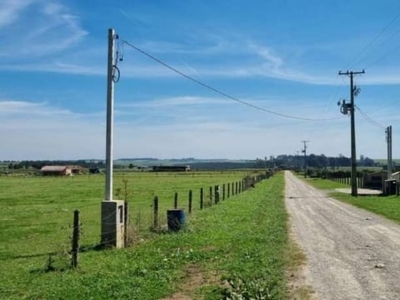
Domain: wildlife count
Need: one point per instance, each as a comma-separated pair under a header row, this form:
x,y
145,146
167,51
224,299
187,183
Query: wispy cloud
x,y
39,28
10,11
176,101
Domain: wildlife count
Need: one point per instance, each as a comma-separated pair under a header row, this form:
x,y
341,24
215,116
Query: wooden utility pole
x,y
389,151
353,92
305,157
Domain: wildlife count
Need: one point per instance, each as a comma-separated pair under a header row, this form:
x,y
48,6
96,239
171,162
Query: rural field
x,y
238,246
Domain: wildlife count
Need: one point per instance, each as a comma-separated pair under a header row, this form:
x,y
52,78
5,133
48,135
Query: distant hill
x,y
196,164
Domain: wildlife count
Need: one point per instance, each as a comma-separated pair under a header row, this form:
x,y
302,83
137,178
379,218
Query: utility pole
x,y
353,92
110,115
389,151
112,211
305,157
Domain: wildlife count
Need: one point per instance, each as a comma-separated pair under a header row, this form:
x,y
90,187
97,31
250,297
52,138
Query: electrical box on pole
x,y
112,211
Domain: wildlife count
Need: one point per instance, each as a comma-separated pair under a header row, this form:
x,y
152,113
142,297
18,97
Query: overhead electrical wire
x,y
375,39
382,57
207,86
369,119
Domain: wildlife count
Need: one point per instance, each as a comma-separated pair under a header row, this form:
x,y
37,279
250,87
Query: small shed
x,y
396,176
76,169
55,171
171,168
374,180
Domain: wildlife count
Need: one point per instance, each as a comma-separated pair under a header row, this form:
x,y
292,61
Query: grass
x,y
324,184
36,212
238,247
387,206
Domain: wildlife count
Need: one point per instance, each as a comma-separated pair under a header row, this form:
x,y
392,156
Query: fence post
x,y
176,200
223,192
155,210
126,224
216,194
201,198
233,188
75,240
211,194
229,189
236,188
190,201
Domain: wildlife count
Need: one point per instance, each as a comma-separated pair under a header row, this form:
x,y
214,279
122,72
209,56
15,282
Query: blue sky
x,y
282,56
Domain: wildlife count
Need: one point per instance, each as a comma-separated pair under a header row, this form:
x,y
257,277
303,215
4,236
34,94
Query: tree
x,y
130,166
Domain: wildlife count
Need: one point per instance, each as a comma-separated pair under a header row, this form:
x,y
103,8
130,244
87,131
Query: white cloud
x,y
10,10
43,131
176,101
39,29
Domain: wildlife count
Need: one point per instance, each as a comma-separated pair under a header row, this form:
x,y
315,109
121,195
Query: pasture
x,y
228,240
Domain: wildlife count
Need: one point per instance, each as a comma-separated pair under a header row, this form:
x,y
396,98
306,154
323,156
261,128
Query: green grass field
x,y
242,239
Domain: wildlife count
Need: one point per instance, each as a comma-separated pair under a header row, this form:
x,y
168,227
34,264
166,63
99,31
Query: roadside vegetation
x,y
388,206
237,249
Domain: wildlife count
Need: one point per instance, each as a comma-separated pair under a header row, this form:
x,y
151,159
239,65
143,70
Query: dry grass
x,y
298,287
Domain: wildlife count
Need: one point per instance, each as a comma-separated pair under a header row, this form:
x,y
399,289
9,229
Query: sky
x,y
257,56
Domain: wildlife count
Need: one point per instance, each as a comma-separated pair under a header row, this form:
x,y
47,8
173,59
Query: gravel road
x,y
351,253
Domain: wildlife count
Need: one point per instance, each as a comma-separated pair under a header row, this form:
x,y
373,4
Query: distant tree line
x,y
313,161
281,161
38,164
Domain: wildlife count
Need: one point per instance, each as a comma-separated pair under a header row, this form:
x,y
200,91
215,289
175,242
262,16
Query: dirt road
x,y
351,253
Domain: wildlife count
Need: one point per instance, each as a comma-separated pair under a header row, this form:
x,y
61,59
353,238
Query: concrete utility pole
x,y
112,211
305,157
389,151
353,92
110,115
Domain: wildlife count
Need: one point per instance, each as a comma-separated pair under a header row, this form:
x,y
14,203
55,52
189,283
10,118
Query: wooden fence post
x,y
229,189
176,200
216,194
233,188
236,188
223,192
201,198
155,211
211,194
190,201
126,224
75,240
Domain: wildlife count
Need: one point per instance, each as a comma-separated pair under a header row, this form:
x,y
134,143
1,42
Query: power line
x,y
369,119
382,57
219,91
376,38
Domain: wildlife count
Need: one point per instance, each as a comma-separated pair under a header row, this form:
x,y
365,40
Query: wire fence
x,y
71,223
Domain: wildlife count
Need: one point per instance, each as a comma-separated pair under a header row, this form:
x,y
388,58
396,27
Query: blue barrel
x,y
176,219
